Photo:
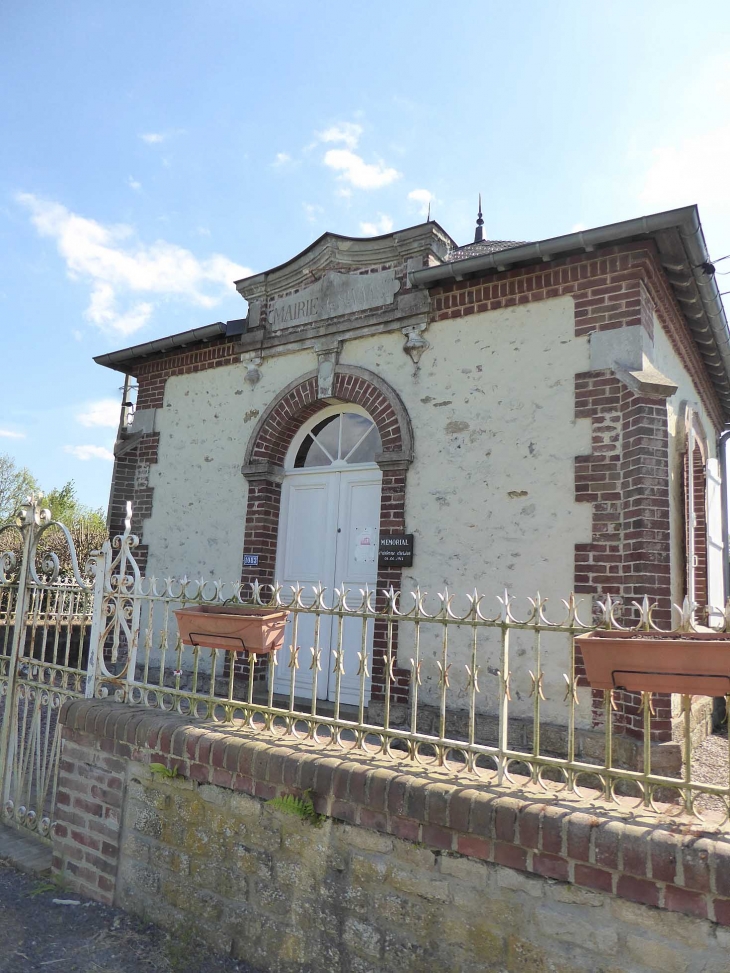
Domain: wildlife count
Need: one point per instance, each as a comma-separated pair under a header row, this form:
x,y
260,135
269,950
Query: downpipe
x,y
719,703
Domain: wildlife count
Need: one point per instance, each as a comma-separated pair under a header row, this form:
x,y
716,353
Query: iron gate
x,y
47,650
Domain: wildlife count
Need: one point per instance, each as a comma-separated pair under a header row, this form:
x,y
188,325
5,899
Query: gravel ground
x,y
38,934
710,765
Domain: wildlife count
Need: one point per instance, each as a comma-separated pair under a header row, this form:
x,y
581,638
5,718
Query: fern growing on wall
x,y
302,807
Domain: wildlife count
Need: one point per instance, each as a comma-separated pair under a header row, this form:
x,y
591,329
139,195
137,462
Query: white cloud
x,y
578,228
312,211
117,267
77,334
153,138
384,224
281,159
693,170
90,452
133,184
346,132
357,172
104,412
423,198
9,434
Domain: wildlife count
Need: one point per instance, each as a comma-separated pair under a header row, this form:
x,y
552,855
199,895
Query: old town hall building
x,y
537,416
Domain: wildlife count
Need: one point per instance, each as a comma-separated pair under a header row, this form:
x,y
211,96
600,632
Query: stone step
x,y
25,851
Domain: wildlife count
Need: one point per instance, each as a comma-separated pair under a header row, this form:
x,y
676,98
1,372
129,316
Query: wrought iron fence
x,y
45,641
481,690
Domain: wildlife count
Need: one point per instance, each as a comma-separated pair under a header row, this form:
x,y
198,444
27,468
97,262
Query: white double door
x,y
328,534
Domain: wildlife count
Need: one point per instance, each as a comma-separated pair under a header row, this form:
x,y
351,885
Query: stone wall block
x,y
434,872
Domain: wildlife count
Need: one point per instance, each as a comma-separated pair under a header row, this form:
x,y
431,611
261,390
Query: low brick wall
x,y
409,869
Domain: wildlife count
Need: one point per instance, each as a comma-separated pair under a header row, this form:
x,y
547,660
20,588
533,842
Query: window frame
x,y
310,424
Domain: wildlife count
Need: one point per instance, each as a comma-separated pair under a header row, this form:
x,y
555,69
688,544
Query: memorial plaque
x,y
395,550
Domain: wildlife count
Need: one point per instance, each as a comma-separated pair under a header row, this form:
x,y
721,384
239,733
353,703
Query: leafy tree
x,y
16,484
86,525
65,506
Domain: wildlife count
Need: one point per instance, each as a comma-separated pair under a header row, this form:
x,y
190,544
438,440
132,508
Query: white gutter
x,y
116,359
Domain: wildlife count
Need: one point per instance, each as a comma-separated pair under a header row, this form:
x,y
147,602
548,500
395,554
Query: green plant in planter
x,y
302,807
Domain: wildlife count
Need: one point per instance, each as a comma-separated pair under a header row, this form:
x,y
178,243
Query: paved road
x,y
40,936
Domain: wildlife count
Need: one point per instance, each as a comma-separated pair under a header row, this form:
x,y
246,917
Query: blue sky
x,y
152,152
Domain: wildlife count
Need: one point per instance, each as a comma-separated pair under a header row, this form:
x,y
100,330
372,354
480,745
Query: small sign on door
x,y
365,545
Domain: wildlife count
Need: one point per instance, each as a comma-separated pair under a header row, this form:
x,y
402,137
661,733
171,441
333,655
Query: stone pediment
x,y
341,278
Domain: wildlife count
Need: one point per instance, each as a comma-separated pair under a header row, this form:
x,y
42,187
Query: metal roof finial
x,y
428,215
479,232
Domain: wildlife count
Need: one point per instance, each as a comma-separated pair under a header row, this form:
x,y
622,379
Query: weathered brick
x,y
606,845
372,819
404,828
433,835
593,878
344,811
550,866
682,900
510,855
638,890
696,863
579,831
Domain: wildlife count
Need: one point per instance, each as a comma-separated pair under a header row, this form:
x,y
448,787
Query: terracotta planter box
x,y
696,664
259,630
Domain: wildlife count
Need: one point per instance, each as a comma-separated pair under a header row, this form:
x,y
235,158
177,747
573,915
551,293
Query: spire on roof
x,y
479,232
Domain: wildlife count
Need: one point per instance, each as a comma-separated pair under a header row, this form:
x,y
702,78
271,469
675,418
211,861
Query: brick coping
x,y
674,866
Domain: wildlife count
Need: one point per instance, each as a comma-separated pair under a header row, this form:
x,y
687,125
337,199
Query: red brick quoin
x,y
264,469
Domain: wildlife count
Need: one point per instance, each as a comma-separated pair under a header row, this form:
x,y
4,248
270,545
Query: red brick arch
x,y
264,470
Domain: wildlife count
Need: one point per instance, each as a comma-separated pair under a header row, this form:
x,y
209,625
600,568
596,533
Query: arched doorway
x,y
328,533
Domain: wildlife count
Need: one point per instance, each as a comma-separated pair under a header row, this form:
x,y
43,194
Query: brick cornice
x,y
650,860
609,288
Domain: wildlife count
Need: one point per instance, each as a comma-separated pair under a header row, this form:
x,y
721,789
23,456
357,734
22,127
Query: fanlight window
x,y
346,437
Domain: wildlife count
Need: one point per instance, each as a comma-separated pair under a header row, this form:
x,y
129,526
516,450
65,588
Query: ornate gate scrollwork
x,y
46,656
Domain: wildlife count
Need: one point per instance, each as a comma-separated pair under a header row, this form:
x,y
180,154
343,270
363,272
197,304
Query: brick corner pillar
x,y
626,480
646,555
133,457
262,518
394,466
